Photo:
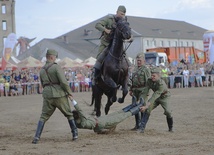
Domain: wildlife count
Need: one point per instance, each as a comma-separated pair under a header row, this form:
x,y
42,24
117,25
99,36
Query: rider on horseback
x,y
105,27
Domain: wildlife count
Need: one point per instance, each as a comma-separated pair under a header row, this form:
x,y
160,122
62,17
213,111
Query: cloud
x,y
194,4
190,5
197,12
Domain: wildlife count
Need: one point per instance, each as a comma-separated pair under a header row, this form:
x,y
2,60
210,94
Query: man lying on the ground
x,y
107,123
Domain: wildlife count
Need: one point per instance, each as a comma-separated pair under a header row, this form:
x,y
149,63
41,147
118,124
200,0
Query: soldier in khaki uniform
x,y
105,27
55,94
139,80
107,123
159,97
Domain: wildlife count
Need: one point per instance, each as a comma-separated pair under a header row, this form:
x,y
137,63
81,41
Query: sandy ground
x,y
193,112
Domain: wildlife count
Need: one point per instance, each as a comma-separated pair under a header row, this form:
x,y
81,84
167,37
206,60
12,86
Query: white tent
x,y
78,60
68,63
90,61
30,62
15,59
44,60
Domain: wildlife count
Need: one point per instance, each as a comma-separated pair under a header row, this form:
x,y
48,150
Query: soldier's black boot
x,y
138,116
73,129
134,103
39,129
98,64
170,123
144,121
136,109
137,122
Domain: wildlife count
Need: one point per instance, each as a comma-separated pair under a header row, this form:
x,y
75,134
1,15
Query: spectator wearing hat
x,y
159,97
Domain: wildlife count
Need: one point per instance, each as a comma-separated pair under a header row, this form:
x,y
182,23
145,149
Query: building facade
x,y
7,18
147,33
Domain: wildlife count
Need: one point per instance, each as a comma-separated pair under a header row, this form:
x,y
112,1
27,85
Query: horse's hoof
x,y
113,100
98,114
120,100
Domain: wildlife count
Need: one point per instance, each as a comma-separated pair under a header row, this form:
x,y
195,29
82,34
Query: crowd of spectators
x,y
188,75
26,81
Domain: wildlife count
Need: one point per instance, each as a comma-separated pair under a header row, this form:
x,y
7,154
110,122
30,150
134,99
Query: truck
x,y
173,55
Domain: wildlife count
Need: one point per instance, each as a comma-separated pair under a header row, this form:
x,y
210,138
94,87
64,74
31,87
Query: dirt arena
x,y
193,112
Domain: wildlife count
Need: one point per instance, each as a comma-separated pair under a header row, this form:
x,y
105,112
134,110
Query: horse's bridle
x,y
120,58
120,30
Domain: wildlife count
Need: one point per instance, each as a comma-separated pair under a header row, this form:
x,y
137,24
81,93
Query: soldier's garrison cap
x,y
140,55
122,8
155,70
52,52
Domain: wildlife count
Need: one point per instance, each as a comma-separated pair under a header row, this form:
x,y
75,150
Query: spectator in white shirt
x,y
186,77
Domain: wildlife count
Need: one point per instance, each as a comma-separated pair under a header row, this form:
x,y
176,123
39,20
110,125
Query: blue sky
x,y
52,18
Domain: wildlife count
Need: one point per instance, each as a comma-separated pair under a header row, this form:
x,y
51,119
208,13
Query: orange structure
x,y
189,54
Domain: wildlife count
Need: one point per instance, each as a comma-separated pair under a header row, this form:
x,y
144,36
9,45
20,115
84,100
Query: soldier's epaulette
x,y
161,81
110,16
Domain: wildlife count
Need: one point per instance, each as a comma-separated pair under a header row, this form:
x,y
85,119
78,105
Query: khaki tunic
x,y
57,75
106,23
54,95
100,123
160,96
139,80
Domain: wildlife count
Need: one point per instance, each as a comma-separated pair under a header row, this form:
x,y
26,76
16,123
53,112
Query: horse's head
x,y
123,26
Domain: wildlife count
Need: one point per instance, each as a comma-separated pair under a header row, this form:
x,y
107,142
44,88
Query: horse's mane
x,y
111,36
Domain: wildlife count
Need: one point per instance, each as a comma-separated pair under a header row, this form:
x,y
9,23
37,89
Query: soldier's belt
x,y
139,86
164,93
50,84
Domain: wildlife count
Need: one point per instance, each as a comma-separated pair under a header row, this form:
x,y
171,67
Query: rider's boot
x,y
98,65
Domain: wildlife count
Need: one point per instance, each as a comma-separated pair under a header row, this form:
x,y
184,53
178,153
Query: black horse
x,y
114,69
